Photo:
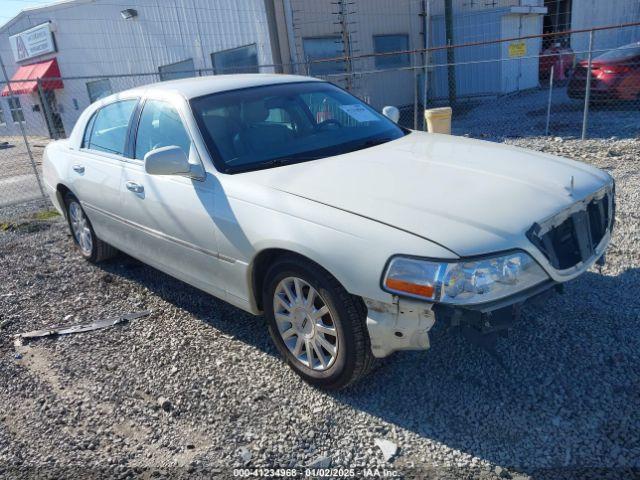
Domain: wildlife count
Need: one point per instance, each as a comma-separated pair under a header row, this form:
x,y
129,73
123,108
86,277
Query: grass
x,y
46,215
31,224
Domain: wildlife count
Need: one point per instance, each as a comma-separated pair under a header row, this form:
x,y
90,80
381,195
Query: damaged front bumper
x,y
405,324
484,322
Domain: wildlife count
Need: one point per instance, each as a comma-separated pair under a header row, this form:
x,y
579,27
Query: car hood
x,y
470,196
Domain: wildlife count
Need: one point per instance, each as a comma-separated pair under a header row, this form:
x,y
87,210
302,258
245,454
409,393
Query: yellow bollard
x,y
438,120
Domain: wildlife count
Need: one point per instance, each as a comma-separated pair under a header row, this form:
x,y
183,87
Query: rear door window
x,y
110,126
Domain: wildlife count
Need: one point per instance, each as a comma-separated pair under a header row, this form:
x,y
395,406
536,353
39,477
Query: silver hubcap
x,y
305,324
80,228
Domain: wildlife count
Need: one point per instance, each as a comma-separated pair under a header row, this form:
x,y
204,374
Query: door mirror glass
x,y
392,113
169,160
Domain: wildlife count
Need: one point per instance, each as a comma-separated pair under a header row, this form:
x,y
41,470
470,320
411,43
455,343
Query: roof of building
x,y
53,5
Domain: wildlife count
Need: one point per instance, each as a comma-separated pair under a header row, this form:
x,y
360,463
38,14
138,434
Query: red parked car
x,y
615,75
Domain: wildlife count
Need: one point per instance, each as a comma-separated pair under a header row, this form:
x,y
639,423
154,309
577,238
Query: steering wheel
x,y
329,121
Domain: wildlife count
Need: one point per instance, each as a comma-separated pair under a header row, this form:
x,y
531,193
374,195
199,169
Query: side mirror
x,y
171,160
392,113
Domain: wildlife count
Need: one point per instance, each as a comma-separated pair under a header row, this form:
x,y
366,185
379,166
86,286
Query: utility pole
x,y
451,58
343,22
426,43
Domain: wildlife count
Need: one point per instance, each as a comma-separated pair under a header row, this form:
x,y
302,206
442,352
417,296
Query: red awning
x,y
25,80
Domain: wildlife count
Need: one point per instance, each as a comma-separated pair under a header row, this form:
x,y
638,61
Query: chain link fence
x,y
497,90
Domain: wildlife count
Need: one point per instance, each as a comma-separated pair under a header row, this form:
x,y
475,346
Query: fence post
x,y
546,130
416,88
587,95
24,134
426,40
47,113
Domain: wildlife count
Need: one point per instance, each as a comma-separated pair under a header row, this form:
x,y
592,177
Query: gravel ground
x,y
17,180
197,389
525,113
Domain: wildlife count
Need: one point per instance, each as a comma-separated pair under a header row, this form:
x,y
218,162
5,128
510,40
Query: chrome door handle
x,y
78,168
135,187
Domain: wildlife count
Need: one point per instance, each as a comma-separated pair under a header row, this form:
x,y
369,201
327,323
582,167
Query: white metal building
x,y
376,26
594,13
93,41
89,38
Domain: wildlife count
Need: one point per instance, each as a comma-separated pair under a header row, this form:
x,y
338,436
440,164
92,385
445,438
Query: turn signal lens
x,y
412,288
412,277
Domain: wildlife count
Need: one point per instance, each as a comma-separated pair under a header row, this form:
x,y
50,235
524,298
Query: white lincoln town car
x,y
288,196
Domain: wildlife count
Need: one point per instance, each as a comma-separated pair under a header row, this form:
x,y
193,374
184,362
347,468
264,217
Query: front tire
x,y
90,246
318,327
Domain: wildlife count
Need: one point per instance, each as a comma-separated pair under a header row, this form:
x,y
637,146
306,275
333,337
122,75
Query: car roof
x,y
187,88
199,86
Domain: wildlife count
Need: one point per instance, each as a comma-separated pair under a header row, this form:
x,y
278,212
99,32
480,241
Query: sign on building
x,y
33,42
517,49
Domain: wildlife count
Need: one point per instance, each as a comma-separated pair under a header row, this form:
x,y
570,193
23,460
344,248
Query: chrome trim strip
x,y
581,205
556,219
157,234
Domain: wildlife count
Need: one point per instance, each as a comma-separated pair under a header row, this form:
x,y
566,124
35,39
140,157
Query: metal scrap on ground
x,y
83,327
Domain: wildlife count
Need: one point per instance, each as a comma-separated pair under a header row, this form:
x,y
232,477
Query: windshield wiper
x,y
276,162
376,141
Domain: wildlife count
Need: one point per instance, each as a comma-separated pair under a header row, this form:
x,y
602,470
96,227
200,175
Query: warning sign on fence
x,y
517,49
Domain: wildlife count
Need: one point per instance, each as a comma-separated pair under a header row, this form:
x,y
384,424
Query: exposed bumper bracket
x,y
403,325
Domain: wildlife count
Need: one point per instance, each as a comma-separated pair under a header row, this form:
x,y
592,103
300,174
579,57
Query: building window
x,y
173,71
98,89
3,122
16,109
391,43
236,60
321,48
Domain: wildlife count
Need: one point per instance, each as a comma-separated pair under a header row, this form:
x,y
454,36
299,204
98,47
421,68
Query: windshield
x,y
274,125
626,52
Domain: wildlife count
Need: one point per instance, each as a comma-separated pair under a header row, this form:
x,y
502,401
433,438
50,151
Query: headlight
x,y
463,282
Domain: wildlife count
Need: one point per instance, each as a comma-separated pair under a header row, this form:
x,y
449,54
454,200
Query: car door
x,y
96,168
171,216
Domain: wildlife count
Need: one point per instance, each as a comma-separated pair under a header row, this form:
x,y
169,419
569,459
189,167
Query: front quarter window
x,y
272,125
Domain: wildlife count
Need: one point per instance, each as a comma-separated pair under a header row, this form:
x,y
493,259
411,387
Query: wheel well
x,y
62,191
261,265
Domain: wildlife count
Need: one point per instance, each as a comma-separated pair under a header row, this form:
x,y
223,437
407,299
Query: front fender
x,y
353,249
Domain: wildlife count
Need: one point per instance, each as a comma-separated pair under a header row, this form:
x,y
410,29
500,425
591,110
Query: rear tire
x,y
335,350
89,245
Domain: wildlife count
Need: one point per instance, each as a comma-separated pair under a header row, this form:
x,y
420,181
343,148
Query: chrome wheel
x,y
80,228
305,324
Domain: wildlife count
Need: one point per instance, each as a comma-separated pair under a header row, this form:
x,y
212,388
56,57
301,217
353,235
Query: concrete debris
x,y
388,448
320,462
245,455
